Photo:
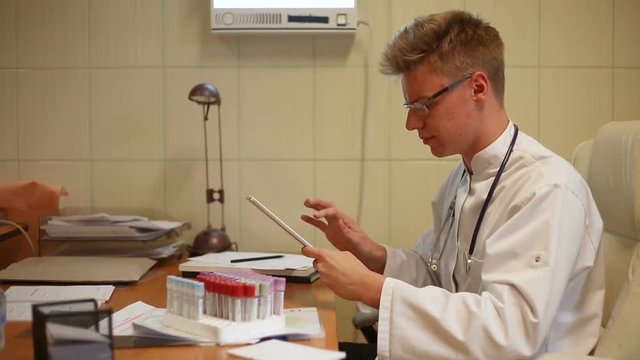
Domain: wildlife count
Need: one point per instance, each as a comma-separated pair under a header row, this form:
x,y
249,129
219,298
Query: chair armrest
x,y
362,319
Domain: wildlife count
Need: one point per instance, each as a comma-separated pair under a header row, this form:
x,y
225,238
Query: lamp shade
x,y
205,94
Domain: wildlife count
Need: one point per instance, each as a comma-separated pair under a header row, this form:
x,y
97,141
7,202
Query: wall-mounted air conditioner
x,y
296,16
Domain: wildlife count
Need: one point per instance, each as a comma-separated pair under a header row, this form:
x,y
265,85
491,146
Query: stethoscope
x,y
434,262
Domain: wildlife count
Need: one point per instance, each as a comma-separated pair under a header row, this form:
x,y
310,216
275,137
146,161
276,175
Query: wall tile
x,y
53,114
574,103
184,122
338,123
626,87
282,186
126,114
125,33
74,176
522,99
7,33
626,41
342,182
413,184
517,22
8,115
186,200
133,187
8,170
400,15
52,33
346,118
376,134
276,118
275,50
188,39
576,32
361,48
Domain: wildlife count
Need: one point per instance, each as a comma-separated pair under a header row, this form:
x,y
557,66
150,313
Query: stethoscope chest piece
x,y
433,264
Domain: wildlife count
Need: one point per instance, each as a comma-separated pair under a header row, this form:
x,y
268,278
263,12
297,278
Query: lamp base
x,y
210,240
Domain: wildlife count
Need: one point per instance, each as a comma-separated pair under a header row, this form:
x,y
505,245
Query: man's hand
x,y
343,232
346,276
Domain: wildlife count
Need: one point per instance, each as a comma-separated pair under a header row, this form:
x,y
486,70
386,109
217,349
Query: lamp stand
x,y
212,239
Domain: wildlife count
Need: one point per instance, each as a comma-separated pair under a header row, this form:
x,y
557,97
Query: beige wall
x,y
93,95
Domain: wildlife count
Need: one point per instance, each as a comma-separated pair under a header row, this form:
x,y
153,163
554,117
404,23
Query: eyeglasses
x,y
424,104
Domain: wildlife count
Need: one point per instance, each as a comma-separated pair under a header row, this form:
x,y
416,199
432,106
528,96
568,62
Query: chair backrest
x,y
610,163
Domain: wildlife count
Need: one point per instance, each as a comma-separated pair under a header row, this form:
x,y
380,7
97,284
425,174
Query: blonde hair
x,y
453,42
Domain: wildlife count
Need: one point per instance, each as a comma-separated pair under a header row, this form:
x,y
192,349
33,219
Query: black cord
x,y
494,185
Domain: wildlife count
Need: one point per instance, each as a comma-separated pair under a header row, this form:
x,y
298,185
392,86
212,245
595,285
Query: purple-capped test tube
x,y
279,285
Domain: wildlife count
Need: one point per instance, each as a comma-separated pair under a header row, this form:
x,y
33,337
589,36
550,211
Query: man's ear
x,y
480,85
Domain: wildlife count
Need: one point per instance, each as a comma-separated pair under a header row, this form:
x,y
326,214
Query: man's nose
x,y
414,121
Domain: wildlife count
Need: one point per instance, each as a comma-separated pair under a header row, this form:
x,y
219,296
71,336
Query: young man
x,y
511,267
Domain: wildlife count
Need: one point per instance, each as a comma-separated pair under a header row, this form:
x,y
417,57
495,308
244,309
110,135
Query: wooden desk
x,y
151,289
9,231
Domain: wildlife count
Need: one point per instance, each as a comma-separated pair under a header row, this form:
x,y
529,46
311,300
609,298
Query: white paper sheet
x,y
283,350
123,320
140,318
20,298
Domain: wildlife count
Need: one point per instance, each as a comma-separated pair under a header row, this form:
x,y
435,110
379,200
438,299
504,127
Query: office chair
x,y
610,163
365,320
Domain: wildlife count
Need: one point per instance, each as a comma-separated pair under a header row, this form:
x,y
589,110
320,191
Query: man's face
x,y
445,127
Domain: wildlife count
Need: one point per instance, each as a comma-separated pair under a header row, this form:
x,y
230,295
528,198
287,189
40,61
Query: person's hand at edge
x,y
346,276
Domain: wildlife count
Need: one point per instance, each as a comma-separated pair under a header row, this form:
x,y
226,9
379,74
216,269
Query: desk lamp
x,y
210,239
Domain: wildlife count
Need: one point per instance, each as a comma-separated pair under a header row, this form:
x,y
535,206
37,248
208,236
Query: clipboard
x,y
65,269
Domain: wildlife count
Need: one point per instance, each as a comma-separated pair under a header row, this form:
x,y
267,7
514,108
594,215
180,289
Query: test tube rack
x,y
225,331
226,307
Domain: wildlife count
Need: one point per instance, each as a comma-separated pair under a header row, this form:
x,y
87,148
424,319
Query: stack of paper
x,y
105,226
112,235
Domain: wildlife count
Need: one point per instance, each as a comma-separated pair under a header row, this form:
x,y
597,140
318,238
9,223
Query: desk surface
x,y
151,289
9,231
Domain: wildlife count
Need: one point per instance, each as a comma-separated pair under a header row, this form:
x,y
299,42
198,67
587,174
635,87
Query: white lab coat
x,y
537,284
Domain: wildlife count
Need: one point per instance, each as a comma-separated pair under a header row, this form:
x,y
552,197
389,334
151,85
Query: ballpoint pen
x,y
269,257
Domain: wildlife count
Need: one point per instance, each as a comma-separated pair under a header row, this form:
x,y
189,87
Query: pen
x,y
256,258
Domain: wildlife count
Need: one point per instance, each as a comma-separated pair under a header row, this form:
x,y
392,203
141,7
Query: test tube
x,y
199,300
188,298
250,302
170,295
264,300
236,301
213,300
223,298
278,295
203,279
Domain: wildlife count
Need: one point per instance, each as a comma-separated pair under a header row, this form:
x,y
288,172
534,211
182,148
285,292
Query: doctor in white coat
x,y
512,266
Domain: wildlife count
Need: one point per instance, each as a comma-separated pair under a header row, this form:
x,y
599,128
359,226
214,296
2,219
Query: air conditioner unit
x,y
291,16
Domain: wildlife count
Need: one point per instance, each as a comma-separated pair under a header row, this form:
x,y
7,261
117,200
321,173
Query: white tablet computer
x,y
277,220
